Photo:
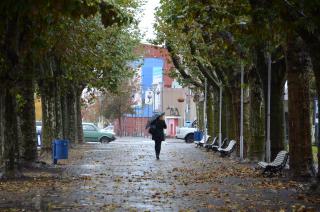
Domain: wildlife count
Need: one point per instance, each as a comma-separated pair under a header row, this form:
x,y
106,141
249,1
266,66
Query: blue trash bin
x,y
198,135
60,149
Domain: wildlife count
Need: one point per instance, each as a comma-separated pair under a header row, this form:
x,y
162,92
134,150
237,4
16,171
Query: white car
x,y
186,133
109,129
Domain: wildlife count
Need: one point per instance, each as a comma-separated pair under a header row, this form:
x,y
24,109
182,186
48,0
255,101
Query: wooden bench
x,y
228,150
275,166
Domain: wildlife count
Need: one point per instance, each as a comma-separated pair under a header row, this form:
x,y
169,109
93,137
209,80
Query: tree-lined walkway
x,y
124,176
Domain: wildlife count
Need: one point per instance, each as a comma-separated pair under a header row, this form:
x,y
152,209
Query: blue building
x,y
148,97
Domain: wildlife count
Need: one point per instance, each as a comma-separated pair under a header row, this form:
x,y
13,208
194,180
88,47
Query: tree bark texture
x,y
120,126
216,112
276,101
1,125
301,161
230,131
246,123
71,109
224,117
277,126
27,121
13,40
318,141
11,148
277,81
313,45
79,116
58,111
257,137
48,117
65,119
210,114
235,96
200,116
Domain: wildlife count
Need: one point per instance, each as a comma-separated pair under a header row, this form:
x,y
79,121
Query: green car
x,y
92,133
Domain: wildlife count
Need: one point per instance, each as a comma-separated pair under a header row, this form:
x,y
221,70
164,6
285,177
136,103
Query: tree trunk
x,y
230,131
256,140
315,56
120,126
58,111
200,116
277,136
79,117
210,117
12,44
71,108
276,101
235,125
1,124
224,121
11,148
50,91
246,123
276,119
277,81
65,115
318,142
27,121
313,45
216,113
48,118
300,151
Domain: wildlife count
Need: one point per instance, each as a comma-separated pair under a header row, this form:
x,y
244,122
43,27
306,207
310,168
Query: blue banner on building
x,y
150,77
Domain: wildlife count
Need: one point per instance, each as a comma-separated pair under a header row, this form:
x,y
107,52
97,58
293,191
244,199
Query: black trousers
x,y
157,146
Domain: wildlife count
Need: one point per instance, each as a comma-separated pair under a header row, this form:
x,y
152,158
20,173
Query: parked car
x,y
92,133
109,129
187,132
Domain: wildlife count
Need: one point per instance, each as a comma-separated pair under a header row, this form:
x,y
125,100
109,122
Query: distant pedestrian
x,y
158,133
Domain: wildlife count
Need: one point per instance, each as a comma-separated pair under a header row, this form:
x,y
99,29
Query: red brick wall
x,y
132,126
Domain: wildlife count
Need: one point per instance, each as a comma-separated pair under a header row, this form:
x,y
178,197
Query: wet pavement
x,y
124,175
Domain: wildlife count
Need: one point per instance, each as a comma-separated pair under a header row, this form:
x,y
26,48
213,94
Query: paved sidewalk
x,y
124,175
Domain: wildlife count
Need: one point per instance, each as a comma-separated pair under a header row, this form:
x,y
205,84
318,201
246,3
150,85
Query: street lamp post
x,y
268,143
205,110
158,93
220,115
162,90
241,113
149,97
154,88
242,25
187,105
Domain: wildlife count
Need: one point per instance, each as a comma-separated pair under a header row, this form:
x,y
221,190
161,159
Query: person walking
x,y
158,134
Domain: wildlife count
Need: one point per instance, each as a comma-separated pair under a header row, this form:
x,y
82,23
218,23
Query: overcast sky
x,y
148,19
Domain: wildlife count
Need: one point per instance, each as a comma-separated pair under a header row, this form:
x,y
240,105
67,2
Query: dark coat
x,y
158,134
